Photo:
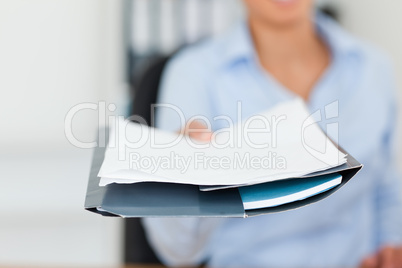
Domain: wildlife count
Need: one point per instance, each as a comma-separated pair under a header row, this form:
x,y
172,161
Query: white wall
x,y
54,55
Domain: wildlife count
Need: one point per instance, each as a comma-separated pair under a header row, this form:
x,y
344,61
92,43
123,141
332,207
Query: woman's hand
x,y
198,131
387,257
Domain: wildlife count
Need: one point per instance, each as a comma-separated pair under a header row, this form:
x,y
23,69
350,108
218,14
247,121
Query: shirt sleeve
x,y
389,188
183,94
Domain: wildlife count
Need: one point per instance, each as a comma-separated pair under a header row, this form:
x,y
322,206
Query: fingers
x,y
387,257
399,257
370,262
198,130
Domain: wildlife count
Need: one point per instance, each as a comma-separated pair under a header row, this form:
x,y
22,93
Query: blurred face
x,y
279,12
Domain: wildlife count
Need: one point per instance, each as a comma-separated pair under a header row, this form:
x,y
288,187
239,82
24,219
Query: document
x,y
283,142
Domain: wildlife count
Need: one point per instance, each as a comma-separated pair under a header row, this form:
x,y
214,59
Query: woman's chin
x,y
280,12
284,20
285,3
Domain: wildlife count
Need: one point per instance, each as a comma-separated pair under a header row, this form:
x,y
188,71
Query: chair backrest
x,y
145,92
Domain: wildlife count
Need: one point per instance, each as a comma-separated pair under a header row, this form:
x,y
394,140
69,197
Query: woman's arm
x,y
389,187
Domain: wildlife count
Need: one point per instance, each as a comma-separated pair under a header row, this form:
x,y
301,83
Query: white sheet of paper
x,y
295,147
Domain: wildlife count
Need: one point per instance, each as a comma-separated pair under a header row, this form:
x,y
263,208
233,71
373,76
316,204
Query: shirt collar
x,y
340,42
240,45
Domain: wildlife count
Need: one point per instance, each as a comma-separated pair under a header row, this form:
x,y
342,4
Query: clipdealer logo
x,y
270,125
326,118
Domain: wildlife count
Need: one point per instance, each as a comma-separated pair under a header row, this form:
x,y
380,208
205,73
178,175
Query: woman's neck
x,y
294,54
282,43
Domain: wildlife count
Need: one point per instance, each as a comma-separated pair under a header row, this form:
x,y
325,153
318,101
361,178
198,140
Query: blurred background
x,y
55,54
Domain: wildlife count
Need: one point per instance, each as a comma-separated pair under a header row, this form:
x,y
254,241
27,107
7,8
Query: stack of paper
x,y
279,144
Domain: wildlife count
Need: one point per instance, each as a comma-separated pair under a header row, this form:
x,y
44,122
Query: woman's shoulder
x,y
372,54
350,44
205,56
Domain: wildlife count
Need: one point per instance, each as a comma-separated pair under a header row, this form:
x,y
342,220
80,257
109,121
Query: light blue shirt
x,y
211,77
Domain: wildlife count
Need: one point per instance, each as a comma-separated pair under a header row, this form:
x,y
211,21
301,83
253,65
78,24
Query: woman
x,y
284,50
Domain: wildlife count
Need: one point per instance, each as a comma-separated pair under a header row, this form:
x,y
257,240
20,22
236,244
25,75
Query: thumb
x,y
198,130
